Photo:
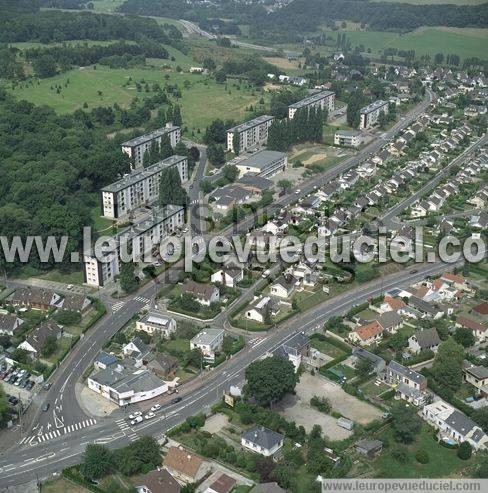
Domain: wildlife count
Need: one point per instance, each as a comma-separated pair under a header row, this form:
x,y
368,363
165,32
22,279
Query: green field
x,y
104,86
466,42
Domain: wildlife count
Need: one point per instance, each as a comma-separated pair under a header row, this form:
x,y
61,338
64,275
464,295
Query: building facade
x,y
251,133
139,239
136,148
370,114
263,163
323,99
139,188
348,138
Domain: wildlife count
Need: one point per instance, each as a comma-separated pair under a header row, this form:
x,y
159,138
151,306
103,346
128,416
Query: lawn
x,y
326,348
62,485
463,42
443,461
178,345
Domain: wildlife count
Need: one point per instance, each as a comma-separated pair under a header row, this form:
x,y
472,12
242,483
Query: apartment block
x,y
370,114
136,148
139,239
348,138
139,187
251,133
323,99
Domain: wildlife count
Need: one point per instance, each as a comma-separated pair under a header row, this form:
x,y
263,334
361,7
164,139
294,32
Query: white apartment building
x,y
136,148
139,238
263,163
139,187
251,133
348,138
369,114
324,99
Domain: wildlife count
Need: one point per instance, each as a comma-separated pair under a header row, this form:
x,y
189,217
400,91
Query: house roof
x,y
427,338
360,352
268,488
460,422
158,481
7,322
207,336
263,437
38,337
73,302
389,320
105,358
406,372
287,281
199,290
369,445
448,276
395,303
184,462
482,308
470,324
252,180
223,484
479,372
294,345
369,330
33,295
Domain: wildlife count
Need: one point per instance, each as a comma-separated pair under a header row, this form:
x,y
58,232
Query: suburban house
x,y
157,481
186,467
38,338
262,440
391,303
205,294
454,425
228,276
136,350
409,385
367,334
260,308
390,321
377,362
423,340
294,349
479,331
459,282
223,484
104,360
284,286
125,383
72,302
36,298
426,309
477,376
9,323
209,341
155,322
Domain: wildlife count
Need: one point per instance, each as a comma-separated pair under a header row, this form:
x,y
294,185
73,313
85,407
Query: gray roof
x,y
348,133
369,445
374,106
423,306
403,388
478,371
261,159
311,99
293,346
105,358
389,319
268,488
460,422
255,181
263,437
361,353
207,336
287,281
138,176
250,124
149,136
427,338
406,372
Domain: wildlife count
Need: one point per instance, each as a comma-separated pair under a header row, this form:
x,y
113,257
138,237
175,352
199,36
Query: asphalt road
x,y
22,464
65,413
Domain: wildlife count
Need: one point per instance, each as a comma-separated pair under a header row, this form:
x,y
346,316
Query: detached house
x,y
260,308
228,276
209,341
205,294
477,376
294,349
367,334
409,385
479,331
424,340
284,286
262,440
186,467
37,339
9,323
155,322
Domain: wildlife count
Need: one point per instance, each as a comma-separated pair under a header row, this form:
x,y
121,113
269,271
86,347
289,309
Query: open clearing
x,y
283,63
315,158
215,423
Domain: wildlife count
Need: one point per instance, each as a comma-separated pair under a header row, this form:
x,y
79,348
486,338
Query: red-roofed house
x,y
367,334
392,304
455,280
479,331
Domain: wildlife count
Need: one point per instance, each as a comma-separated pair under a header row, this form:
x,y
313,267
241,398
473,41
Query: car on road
x,y
191,186
136,420
149,415
45,407
176,400
46,386
135,414
266,274
414,271
156,407
297,191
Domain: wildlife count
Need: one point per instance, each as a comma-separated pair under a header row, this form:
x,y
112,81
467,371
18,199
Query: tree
x,y
216,155
382,120
464,336
480,416
127,277
353,108
364,367
464,451
165,147
67,317
482,471
447,368
406,424
5,341
170,190
44,66
97,462
50,346
400,455
194,153
422,456
230,172
4,409
268,380
285,185
20,355
236,143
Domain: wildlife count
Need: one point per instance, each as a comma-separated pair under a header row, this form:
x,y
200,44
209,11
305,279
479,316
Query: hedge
x,y
70,474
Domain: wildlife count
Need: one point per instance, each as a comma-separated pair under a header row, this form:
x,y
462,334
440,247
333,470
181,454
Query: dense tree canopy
x,y
268,380
447,368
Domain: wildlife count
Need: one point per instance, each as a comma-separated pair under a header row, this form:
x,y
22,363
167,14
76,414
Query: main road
x,y
62,423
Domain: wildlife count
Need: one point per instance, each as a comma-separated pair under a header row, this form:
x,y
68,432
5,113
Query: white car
x,y
138,419
297,191
156,407
135,414
149,415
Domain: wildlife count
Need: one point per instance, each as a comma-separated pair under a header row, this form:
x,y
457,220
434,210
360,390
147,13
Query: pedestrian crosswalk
x,y
142,299
122,424
43,437
118,306
255,342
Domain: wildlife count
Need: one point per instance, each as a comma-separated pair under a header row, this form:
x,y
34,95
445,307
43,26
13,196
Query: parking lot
x,y
17,386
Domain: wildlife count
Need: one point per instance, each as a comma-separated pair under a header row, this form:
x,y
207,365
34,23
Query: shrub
x,y
422,456
464,451
400,455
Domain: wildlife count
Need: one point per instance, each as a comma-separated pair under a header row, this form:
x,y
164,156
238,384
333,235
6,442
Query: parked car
x,y
149,415
176,400
135,414
30,385
156,407
45,407
46,386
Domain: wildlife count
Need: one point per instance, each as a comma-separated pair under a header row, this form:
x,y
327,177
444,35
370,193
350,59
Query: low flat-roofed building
x,y
156,322
263,163
477,376
209,341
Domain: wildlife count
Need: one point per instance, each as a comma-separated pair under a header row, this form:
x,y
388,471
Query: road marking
x,y
118,306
